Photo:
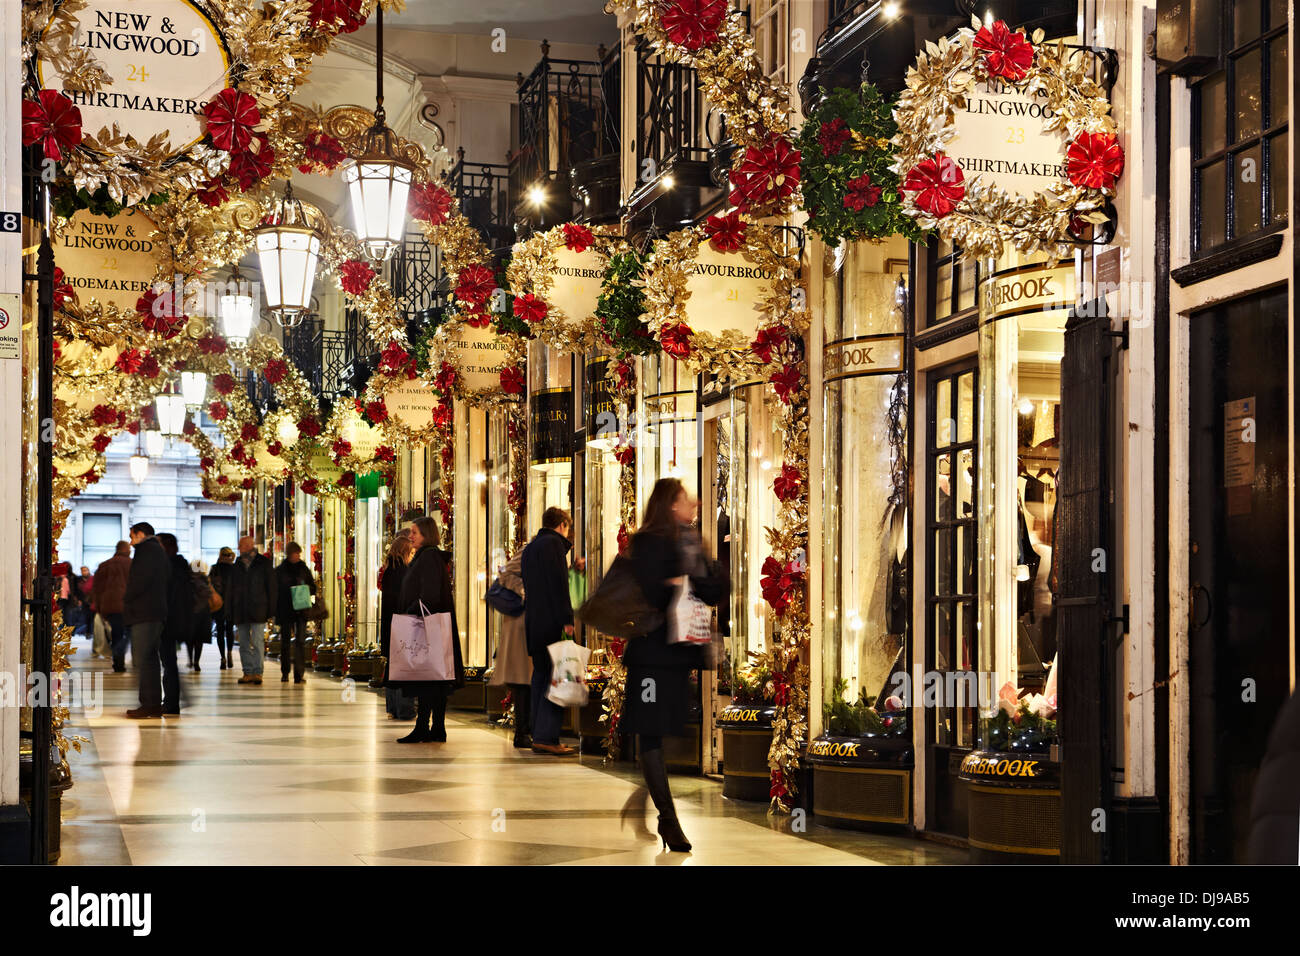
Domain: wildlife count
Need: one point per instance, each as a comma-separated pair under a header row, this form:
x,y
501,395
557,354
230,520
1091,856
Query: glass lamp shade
x,y
237,311
194,387
153,443
289,255
171,413
379,185
139,466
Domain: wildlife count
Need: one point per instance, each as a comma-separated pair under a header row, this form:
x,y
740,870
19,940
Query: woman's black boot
x,y
423,711
656,780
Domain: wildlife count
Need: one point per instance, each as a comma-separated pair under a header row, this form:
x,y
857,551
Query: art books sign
x,y
166,60
411,402
107,259
1000,137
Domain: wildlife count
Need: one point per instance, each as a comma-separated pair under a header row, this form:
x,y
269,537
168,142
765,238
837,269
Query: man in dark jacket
x,y
144,608
548,619
179,623
292,572
106,595
251,603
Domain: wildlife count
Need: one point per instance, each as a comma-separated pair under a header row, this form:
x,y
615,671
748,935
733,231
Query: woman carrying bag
x,y
514,667
426,590
398,706
295,584
664,549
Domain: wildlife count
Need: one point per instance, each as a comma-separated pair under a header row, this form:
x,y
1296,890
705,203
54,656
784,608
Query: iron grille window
x,y
418,277
1240,169
950,281
302,345
671,114
483,192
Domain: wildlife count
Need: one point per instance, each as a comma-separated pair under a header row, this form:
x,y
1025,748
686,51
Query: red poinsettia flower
x,y
274,448
477,320
63,291
277,369
149,366
213,193
53,121
788,484
232,116
309,486
529,308
254,164
1007,54
377,411
938,183
340,16
218,411
393,359
224,383
430,203
128,361
101,443
766,175
213,345
321,150
1094,160
442,417
205,463
693,23
512,380
445,380
385,453
577,238
474,285
355,276
861,193
676,340
725,233
625,454
625,374
833,135
767,340
786,381
309,427
341,448
249,432
103,415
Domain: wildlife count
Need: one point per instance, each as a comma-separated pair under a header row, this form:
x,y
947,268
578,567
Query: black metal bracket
x,y
1121,336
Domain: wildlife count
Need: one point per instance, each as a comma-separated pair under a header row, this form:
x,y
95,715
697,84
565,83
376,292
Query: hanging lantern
x,y
153,443
170,407
379,179
237,309
289,249
139,463
194,387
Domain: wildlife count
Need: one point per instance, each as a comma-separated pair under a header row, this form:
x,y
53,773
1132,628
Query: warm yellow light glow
x,y
537,195
891,10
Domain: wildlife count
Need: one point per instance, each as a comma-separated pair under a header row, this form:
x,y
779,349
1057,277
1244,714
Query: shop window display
x,y
470,531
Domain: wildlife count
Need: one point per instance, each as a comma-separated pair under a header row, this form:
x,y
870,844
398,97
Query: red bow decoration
x,y
103,415
478,320
778,583
693,23
1094,160
786,381
355,276
248,483
341,448
385,453
430,203
223,383
222,480
767,340
321,150
309,427
832,136
530,308
128,361
232,116
625,374
393,359
474,285
1007,54
237,451
778,790
218,411
767,175
442,417
377,411
101,442
52,120
725,233
213,345
445,380
938,183
63,291
249,432
861,193
274,449
624,539
676,339
340,16
788,484
149,366
252,166
160,314
205,463
309,486
625,454
578,238
276,371
512,380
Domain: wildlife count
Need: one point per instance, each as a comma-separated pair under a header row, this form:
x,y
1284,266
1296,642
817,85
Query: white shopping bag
x,y
690,620
568,674
102,645
421,647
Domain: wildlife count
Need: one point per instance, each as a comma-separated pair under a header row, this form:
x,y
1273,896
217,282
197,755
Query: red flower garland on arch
x,y
53,121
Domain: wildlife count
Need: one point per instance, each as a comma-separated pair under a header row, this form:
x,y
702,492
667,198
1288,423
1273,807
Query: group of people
x,y
155,601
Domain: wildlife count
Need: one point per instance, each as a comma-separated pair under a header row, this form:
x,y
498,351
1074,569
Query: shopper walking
x,y
292,572
107,594
85,585
513,667
201,632
219,577
250,605
658,673
144,610
426,588
179,626
396,704
548,618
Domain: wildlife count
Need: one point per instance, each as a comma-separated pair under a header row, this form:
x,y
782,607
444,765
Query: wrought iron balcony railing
x,y
483,191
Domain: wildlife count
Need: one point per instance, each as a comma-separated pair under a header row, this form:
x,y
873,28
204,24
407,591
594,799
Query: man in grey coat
x,y
251,603
144,609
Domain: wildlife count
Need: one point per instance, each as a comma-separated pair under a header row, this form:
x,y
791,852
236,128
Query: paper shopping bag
x,y
421,647
568,674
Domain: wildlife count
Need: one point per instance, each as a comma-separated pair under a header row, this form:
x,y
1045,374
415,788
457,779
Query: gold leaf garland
x,y
532,270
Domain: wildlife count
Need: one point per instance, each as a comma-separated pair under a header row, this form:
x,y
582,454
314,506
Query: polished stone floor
x,y
310,774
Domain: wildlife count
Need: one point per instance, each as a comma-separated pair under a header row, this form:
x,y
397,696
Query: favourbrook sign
x,y
1000,137
166,60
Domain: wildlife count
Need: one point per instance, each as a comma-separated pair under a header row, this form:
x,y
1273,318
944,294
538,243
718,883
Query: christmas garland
x,y
531,279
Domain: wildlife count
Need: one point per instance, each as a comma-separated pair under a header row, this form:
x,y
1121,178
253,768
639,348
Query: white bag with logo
x,y
420,649
568,674
690,620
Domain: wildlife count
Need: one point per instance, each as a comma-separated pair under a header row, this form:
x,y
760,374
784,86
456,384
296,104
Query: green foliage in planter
x,y
622,303
751,682
860,718
845,139
1022,731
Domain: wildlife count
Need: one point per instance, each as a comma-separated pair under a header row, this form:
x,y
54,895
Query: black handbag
x,y
317,612
501,598
619,607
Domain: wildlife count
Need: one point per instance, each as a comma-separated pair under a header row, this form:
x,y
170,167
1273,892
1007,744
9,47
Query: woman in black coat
x,y
428,581
390,592
219,577
292,572
665,548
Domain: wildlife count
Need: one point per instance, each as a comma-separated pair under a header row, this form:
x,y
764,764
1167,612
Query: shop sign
x,y
109,259
601,412
166,60
1039,288
576,283
752,715
1000,137
834,748
726,293
411,402
862,355
665,407
324,467
1005,766
479,355
550,418
362,436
